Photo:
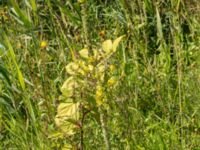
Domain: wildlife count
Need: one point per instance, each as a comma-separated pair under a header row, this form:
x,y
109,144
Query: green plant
x,y
91,75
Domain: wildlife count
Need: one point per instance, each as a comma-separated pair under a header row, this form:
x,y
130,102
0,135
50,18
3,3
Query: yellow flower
x,y
43,44
99,95
112,68
112,81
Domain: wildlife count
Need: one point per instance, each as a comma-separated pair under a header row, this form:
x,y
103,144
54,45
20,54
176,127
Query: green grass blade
x,y
20,13
159,25
13,57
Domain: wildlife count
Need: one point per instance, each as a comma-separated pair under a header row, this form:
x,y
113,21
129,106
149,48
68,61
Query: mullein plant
x,y
91,74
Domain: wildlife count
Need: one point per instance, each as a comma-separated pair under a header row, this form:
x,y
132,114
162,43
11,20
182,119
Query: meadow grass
x,y
155,103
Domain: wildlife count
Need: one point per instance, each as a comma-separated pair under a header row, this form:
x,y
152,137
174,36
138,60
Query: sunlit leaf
x,y
107,46
84,53
33,4
67,147
99,95
116,43
21,78
112,81
69,86
100,68
65,113
67,110
72,68
55,135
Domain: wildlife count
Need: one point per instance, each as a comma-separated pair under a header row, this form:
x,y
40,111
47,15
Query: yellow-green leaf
x,y
99,95
72,68
101,68
84,53
112,81
67,147
21,78
68,110
13,57
65,113
107,46
69,86
116,43
159,24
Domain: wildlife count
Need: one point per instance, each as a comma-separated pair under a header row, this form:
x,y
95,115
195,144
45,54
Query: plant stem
x,y
104,130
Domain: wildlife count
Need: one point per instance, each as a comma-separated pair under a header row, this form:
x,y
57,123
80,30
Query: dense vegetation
x,y
100,74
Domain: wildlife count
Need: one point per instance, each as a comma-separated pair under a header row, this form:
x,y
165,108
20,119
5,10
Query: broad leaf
x,y
69,87
72,68
84,53
107,46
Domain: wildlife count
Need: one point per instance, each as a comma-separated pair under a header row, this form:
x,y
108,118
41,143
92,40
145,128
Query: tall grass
x,y
155,104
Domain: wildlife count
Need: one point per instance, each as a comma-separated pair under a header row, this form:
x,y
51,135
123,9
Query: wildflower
x,y
111,81
107,46
43,44
112,68
99,95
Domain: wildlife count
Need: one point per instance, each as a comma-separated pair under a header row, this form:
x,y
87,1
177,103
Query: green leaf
x,y
20,13
116,43
4,74
20,78
13,57
33,5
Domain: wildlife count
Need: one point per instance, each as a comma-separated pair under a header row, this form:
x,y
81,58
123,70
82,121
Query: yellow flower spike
x,y
112,68
99,95
84,53
112,81
90,67
91,59
43,44
81,72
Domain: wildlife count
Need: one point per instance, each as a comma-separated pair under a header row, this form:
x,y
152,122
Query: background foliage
x,y
155,104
